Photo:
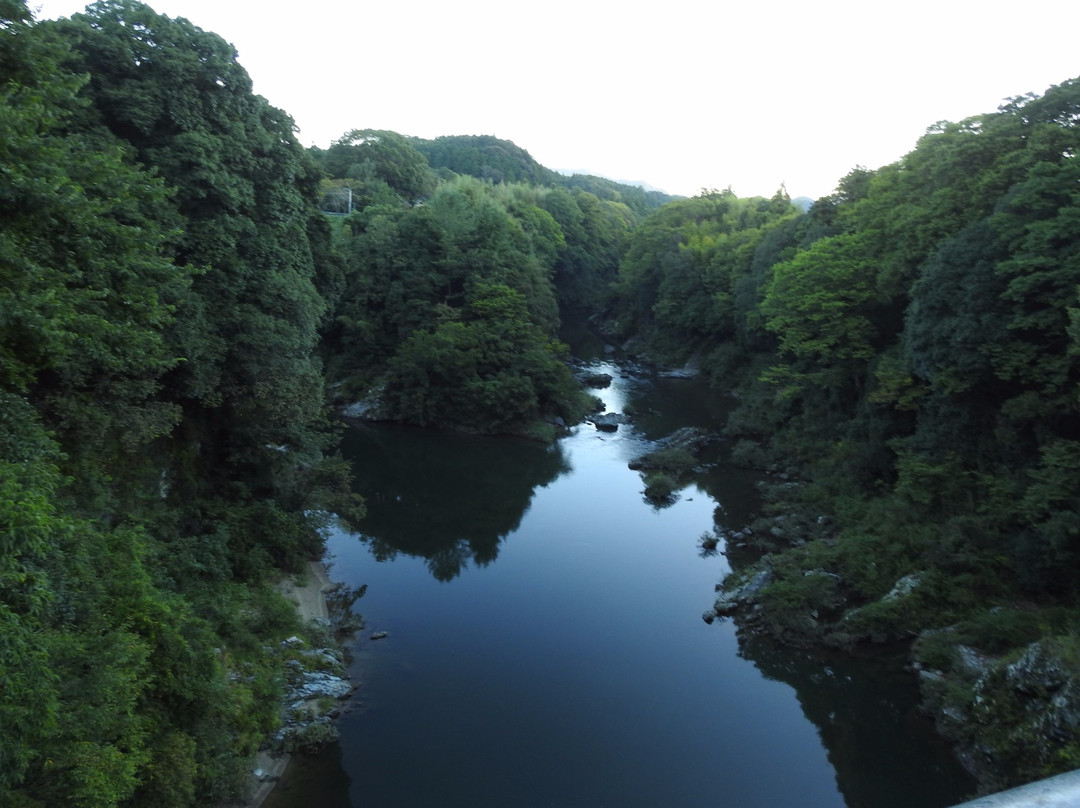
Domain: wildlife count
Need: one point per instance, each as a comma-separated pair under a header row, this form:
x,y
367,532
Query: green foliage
x,y
452,307
166,282
660,487
685,264
489,371
161,423
633,198
249,388
816,303
909,345
954,320
370,160
28,522
594,233
484,157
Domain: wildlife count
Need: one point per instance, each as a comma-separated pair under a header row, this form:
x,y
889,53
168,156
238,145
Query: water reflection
x,y
446,498
577,671
662,406
885,752
323,774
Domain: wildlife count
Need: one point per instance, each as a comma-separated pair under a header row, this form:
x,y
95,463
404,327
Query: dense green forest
x,y
906,360
177,317
450,309
170,293
166,451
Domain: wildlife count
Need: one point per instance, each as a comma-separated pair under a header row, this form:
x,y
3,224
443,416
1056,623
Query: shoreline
x,y
310,601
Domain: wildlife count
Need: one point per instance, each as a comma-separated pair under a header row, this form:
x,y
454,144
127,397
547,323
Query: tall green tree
x,y
253,432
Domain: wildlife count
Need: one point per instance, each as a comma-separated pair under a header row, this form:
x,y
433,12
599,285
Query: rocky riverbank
x,y
1001,683
315,670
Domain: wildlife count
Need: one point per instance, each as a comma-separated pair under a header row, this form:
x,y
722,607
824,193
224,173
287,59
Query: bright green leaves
x,y
28,524
94,757
817,302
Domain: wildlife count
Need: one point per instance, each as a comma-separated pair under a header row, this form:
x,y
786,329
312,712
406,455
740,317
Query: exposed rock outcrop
x,y
1011,714
740,593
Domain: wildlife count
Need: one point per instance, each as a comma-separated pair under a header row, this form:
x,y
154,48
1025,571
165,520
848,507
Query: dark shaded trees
x,y
250,385
452,305
160,407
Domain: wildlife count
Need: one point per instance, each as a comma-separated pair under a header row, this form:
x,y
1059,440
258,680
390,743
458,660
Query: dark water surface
x,y
546,646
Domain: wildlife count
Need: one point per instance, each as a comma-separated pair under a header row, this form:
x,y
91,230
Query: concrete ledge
x,y
1062,791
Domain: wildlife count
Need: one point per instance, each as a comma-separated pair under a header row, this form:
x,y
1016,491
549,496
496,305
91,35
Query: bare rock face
x,y
1039,672
319,685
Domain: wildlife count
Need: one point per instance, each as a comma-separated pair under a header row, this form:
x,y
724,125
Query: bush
x,y
660,488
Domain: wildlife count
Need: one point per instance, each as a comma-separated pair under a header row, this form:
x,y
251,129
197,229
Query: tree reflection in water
x,y
447,498
884,750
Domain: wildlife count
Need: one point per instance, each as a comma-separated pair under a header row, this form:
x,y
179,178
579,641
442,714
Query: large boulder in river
x,y
597,380
608,421
676,454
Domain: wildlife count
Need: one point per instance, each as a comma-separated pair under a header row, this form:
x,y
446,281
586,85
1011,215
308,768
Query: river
x,y
546,647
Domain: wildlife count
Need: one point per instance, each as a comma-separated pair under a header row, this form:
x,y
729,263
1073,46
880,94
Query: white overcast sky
x,y
680,94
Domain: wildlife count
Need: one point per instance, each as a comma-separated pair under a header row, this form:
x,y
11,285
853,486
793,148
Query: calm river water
x,y
546,645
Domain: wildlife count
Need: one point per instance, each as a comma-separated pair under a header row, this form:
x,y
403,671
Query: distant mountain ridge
x,y
584,172
490,158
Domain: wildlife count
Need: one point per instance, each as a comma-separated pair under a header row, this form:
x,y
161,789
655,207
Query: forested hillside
x,y
177,316
165,450
906,357
488,158
450,309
